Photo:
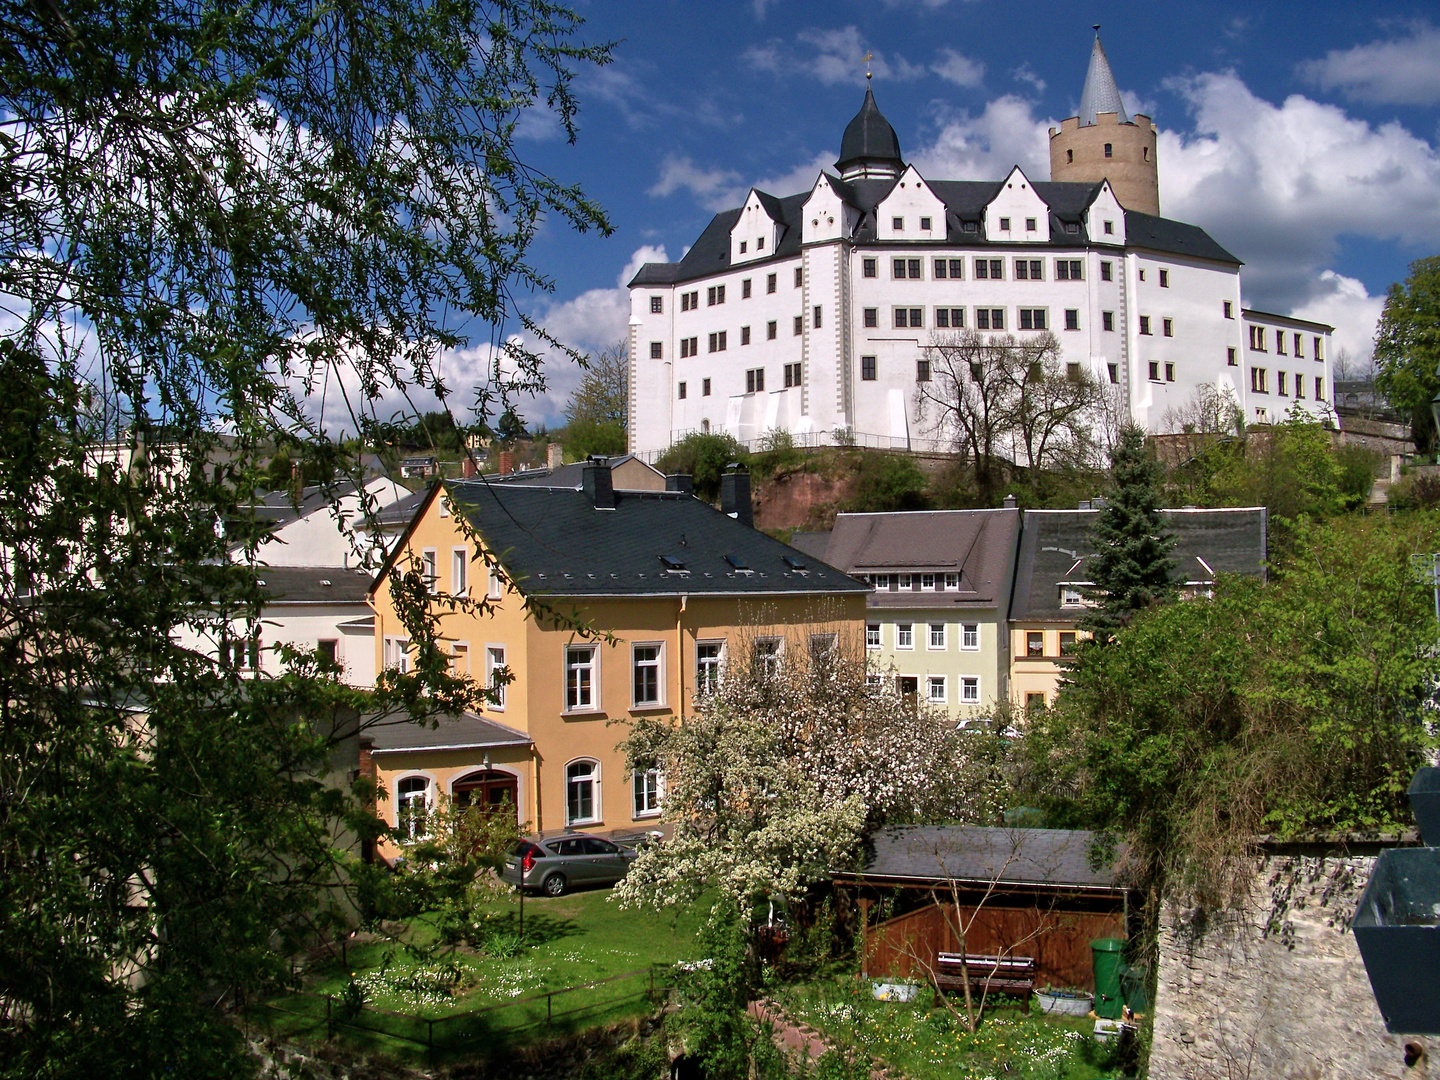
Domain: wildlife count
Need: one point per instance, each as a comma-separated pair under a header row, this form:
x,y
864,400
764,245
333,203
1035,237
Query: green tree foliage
x,y
1131,567
1285,707
1407,347
207,208
704,456
595,418
885,482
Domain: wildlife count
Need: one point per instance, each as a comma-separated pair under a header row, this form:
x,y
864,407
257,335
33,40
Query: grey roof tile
x,y
553,541
312,585
1058,857
467,731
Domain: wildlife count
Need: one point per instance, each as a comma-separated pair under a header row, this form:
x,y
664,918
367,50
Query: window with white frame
x,y
396,653
937,635
935,689
1072,596
927,582
495,586
872,635
969,689
581,690
952,582
647,786
646,680
904,635
709,656
460,571
970,636
582,792
495,675
460,659
429,571
412,803
824,651
765,656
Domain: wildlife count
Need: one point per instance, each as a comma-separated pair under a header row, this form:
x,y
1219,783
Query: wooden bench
x,y
988,974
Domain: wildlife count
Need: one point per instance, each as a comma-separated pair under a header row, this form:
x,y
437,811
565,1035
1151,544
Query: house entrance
x,y
492,789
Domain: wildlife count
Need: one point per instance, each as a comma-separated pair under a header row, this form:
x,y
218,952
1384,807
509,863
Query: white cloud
x,y
1025,73
715,189
1279,185
646,254
960,70
759,7
1401,71
1345,304
833,56
984,147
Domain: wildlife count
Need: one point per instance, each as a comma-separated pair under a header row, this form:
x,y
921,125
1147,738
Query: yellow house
x,y
641,595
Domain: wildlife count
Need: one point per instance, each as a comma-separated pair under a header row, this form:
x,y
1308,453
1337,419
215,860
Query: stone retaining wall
x,y
1276,990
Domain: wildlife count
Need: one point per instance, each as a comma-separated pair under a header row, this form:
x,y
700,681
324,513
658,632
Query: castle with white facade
x,y
812,313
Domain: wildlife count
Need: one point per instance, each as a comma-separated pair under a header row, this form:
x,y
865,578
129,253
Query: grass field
x,y
927,1043
568,941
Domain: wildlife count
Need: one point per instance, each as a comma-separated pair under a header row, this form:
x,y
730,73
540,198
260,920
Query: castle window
x,y
1257,381
1280,342
1317,357
1299,347
799,276
755,381
867,368
872,317
704,387
898,224
925,223
769,283
922,371
1069,270
1109,228
1072,318
1069,157
949,318
815,320
714,295
717,341
657,305
1107,271
1144,324
770,330
1029,224
1164,279
1169,372
1029,270
1032,318
1281,382
1228,309
1109,151
1146,153
742,247
1004,224
1154,370
1167,327
867,268
744,335
1114,373
657,350
1107,320
681,391
792,374
1230,359
745,289
1319,388
760,243
799,325
989,318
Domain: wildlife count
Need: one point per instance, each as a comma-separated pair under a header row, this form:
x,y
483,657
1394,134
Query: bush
x,y
704,456
888,482
778,454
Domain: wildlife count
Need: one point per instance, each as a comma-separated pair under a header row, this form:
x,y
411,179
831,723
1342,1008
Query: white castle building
x,y
811,313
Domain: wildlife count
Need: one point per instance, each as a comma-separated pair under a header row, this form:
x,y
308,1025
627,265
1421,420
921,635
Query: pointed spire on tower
x,y
1100,95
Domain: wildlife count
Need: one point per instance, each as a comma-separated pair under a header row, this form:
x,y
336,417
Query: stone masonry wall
x,y
1277,990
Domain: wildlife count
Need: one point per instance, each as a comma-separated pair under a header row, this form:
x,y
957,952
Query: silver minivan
x,y
555,864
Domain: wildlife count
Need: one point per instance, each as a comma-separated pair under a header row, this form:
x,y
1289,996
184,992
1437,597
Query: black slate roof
x,y
562,476
1055,543
869,136
1055,857
464,732
554,541
312,585
965,202
402,510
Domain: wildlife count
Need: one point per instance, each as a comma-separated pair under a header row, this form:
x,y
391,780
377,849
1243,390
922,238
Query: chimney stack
x,y
554,455
469,468
680,482
506,463
1011,502
735,494
597,483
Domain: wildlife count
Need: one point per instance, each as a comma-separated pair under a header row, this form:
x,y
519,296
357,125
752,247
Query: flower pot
x,y
1064,1002
1424,795
1397,929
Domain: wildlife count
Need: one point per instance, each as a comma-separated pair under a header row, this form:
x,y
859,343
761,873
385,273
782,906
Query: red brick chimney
x,y
506,462
469,468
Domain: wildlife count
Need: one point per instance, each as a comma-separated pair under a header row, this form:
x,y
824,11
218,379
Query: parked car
x,y
555,864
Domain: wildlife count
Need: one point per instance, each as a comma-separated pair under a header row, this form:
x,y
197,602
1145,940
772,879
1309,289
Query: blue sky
x,y
1305,137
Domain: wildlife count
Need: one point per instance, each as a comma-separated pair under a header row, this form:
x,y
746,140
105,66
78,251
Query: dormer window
x,y
1004,224
971,226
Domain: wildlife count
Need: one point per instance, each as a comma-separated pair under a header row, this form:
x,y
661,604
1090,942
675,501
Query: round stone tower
x,y
1103,143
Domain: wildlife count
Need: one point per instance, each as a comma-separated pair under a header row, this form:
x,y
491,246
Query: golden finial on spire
x,y
867,58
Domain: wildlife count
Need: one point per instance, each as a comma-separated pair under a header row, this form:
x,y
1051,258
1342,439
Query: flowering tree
x,y
774,780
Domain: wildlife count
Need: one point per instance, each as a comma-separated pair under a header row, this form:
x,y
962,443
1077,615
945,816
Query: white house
x,y
812,313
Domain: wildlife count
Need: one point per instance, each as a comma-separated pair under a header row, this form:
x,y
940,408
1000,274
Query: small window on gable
x,y
925,223
1004,224
1109,228
1109,150
1029,224
742,247
760,243
898,224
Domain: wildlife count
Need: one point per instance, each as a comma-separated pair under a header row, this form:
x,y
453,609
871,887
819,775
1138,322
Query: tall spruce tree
x,y
1131,568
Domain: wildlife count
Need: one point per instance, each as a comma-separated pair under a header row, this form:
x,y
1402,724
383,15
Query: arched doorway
x,y
491,789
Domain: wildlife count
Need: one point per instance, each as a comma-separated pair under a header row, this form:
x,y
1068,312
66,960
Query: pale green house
x,y
935,620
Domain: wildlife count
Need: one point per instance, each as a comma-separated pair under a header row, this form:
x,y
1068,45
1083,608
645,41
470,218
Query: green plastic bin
x,y
1107,955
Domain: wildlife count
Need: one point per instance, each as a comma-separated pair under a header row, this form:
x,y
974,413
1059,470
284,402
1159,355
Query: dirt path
x,y
798,1038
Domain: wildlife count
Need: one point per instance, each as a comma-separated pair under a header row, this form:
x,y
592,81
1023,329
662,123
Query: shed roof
x,y
963,853
397,732
312,584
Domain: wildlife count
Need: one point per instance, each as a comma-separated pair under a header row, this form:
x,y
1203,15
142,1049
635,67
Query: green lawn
x,y
570,940
927,1043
